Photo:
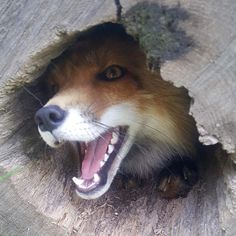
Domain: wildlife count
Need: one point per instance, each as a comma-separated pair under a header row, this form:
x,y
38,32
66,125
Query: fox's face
x,y
106,102
96,105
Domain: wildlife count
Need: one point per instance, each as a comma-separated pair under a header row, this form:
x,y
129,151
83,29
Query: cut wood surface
x,y
196,41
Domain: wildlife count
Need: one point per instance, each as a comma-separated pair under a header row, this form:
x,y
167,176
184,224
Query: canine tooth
x,y
102,163
114,139
78,181
110,148
96,178
117,129
106,156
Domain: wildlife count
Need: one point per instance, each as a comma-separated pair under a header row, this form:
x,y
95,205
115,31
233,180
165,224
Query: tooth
x,y
117,129
114,139
102,163
78,181
106,156
96,178
110,148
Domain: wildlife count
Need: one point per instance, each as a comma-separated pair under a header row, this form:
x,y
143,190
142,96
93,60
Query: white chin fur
x,y
49,138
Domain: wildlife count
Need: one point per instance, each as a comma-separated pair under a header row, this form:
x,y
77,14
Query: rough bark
x,y
196,43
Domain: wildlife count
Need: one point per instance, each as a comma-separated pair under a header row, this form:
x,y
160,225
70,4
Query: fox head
x,y
103,100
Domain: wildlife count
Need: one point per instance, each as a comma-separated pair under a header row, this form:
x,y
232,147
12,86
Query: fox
x,y
121,117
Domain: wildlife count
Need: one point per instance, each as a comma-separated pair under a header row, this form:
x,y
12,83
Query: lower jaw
x,y
107,173
93,194
99,189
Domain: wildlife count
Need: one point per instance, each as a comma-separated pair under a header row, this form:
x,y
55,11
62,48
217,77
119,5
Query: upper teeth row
x,y
110,148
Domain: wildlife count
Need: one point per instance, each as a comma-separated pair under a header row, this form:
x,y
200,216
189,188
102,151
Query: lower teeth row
x,y
80,182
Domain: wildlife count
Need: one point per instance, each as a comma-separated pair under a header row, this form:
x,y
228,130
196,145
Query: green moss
x,y
157,29
10,173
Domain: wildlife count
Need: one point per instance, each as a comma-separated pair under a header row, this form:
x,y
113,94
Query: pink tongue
x,y
95,154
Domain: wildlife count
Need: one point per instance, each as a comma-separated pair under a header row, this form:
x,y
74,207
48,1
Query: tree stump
x,y
195,44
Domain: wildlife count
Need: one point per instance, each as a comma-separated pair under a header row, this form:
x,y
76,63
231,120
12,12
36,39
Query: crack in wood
x,y
118,10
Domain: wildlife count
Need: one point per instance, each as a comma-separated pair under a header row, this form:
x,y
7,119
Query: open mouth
x,y
98,158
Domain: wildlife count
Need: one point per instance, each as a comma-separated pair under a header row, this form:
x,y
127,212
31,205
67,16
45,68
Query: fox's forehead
x,y
87,64
100,52
100,55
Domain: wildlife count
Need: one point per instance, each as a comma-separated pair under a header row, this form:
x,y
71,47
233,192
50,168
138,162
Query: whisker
x,y
96,133
102,125
96,109
120,133
33,95
124,134
88,108
45,151
140,123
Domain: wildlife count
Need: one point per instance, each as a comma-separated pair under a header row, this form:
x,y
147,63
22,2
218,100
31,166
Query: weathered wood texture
x,y
204,59
195,40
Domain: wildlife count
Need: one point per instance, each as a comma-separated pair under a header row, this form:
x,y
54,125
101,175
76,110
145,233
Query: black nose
x,y
49,118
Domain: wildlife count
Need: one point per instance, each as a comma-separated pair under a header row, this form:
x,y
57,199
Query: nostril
x,y
55,116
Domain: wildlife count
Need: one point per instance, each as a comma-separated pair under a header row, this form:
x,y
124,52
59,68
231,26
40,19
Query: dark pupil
x,y
113,73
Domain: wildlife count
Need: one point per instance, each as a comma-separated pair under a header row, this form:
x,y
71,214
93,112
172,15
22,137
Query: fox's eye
x,y
113,72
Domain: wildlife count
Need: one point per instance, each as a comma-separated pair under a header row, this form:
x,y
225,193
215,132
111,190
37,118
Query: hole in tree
x,y
49,171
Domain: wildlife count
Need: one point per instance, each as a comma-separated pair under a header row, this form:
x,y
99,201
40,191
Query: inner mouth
x,y
98,157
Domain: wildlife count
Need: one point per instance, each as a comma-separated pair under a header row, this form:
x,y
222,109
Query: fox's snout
x,y
50,117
